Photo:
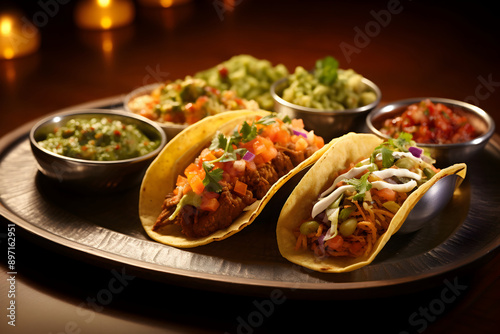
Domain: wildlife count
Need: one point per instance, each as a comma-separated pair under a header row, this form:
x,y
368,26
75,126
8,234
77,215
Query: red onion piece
x,y
416,151
298,133
248,156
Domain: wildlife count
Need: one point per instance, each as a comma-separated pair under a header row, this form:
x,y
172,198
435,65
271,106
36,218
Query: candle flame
x,y
166,3
103,3
5,26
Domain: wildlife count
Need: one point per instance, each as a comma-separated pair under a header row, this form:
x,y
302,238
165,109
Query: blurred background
x,y
408,48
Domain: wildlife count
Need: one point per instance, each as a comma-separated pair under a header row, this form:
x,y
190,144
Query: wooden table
x,y
409,48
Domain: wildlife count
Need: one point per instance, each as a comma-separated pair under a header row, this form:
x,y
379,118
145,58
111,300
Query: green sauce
x,y
99,139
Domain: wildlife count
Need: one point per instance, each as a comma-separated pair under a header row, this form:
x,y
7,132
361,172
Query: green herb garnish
x,y
212,177
247,133
361,185
326,70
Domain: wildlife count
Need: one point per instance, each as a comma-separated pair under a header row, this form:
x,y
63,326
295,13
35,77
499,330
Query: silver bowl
x,y
94,176
170,129
431,204
444,154
328,124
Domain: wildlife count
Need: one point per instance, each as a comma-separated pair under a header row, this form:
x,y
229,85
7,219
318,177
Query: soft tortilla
x,y
348,148
161,176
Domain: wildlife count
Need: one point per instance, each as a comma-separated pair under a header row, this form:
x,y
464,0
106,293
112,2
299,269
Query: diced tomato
x,y
270,131
356,248
301,144
282,137
186,189
223,72
258,147
269,154
240,188
196,184
319,141
181,180
250,165
387,194
209,203
192,169
335,242
298,123
207,155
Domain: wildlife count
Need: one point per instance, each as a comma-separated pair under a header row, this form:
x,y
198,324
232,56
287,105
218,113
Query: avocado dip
x,y
98,139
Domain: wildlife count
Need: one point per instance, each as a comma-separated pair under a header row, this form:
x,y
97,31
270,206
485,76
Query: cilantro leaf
x,y
266,120
286,119
248,132
387,158
326,70
212,177
361,185
219,141
403,141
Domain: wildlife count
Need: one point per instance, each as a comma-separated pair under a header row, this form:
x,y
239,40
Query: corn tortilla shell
x,y
161,176
348,148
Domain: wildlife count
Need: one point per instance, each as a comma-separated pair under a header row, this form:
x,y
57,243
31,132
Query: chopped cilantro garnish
x,y
326,70
212,177
247,133
361,185
403,141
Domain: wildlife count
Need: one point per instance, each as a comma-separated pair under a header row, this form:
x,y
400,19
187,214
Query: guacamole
x,y
249,77
99,139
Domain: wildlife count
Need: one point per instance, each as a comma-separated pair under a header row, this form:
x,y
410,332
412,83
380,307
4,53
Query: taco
x,y
356,196
215,177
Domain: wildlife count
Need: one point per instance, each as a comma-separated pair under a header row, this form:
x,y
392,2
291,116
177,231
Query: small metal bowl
x,y
170,129
93,176
444,154
328,124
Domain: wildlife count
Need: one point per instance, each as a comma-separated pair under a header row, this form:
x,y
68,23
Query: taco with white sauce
x,y
355,197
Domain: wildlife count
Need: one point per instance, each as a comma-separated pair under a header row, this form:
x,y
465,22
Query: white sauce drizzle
x,y
405,187
332,195
349,175
399,172
323,203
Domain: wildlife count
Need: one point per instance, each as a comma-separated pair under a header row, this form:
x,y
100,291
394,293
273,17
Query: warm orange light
x,y
104,14
163,3
16,39
166,3
107,45
106,22
103,3
8,53
5,25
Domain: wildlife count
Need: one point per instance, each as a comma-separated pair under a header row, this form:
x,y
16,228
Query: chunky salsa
x,y
187,101
430,123
233,172
99,139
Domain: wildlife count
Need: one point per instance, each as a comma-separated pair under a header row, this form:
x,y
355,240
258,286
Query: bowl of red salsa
x,y
450,130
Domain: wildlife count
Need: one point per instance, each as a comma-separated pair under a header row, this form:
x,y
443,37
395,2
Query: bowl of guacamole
x,y
95,149
330,100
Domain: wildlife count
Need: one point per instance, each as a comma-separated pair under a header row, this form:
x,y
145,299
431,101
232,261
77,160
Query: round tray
x,y
107,228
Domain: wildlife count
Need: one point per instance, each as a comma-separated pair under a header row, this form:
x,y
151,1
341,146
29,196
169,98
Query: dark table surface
x,y
409,48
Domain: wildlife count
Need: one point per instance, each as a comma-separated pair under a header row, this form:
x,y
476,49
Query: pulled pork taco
x,y
215,177
356,196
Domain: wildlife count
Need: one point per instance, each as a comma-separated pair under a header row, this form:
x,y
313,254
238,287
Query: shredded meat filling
x,y
196,223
